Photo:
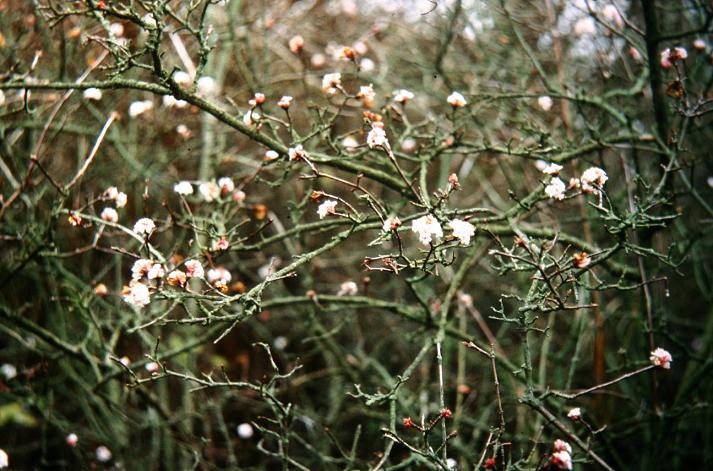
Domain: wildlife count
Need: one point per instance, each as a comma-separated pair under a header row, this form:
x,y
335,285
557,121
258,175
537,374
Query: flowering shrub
x,y
358,235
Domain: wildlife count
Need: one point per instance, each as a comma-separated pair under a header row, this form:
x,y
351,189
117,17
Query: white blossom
x,y
4,459
250,118
367,65
194,269
391,224
220,244
540,165
183,188
207,86
662,358
545,103
280,342
112,192
103,454
409,144
403,96
176,278
562,459
239,196
360,47
349,143
8,371
296,152
226,185
669,56
591,177
182,78
367,94
72,439
140,268
427,227
144,226
101,290
271,155
170,101
348,288
92,94
109,215
296,43
183,131
561,445
328,207
219,276
149,22
331,83
209,191
137,294
552,169
585,27
257,99
462,230
377,136
318,60
156,271
555,189
120,200
117,29
245,431
138,108
285,102
456,100
575,413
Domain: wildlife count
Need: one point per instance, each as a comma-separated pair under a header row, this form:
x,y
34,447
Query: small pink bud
x,y
72,439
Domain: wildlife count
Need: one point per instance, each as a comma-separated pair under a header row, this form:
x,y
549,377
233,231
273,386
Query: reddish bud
x,y
376,117
408,422
453,181
581,260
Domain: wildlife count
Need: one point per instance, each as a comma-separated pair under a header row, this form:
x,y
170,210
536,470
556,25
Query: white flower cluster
x,y
403,96
462,230
661,358
427,227
377,136
555,189
348,288
138,292
144,226
326,208
137,108
562,455
219,277
456,100
591,181
210,190
183,188
331,83
119,198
